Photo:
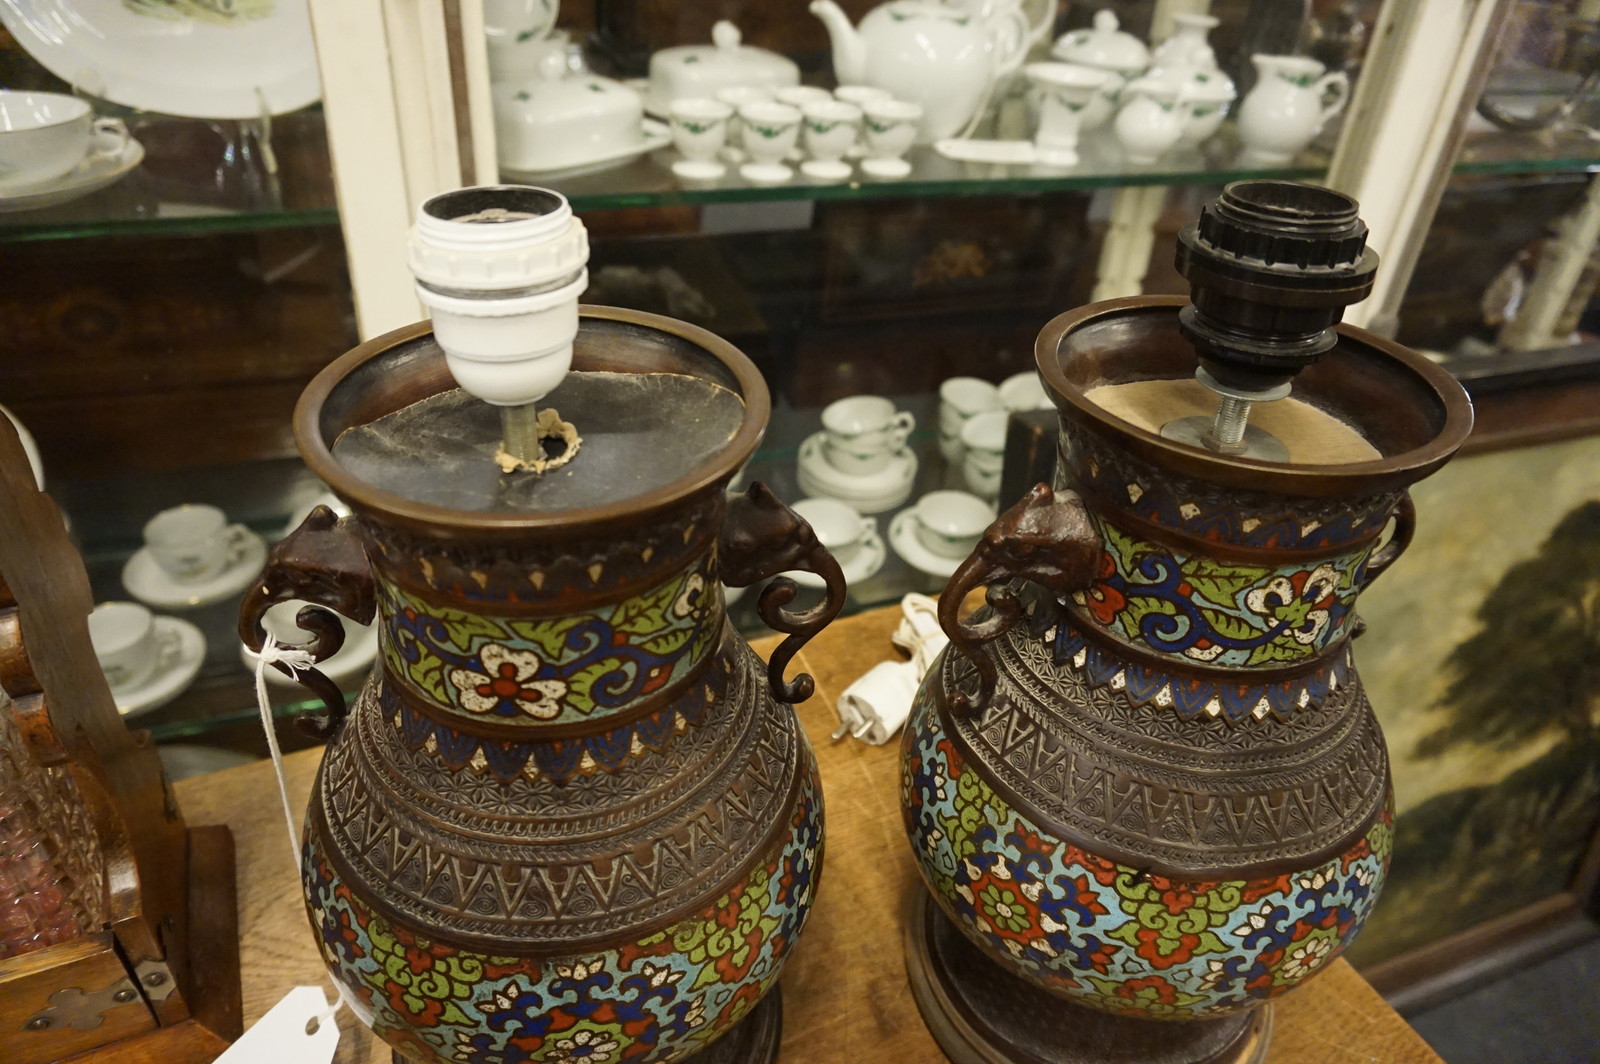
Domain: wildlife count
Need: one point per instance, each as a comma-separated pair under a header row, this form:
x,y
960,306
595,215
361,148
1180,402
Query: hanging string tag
x,y
298,1028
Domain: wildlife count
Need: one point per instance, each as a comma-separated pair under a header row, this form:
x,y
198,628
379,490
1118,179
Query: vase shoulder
x,y
530,846
1172,771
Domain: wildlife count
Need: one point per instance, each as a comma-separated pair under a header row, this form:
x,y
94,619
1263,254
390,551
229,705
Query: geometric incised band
x,y
1138,784
1213,513
571,668
1191,696
1194,608
524,864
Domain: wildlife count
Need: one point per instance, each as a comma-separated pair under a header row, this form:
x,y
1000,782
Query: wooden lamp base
x,y
753,1040
981,1014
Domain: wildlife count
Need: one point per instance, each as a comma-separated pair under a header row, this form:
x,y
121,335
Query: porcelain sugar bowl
x,y
571,815
560,119
699,71
1105,47
1144,786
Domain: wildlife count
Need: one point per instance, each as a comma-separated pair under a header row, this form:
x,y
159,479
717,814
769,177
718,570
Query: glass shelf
x,y
650,182
201,176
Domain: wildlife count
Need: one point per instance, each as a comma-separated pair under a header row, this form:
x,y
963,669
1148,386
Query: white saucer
x,y
183,650
653,135
349,665
869,494
826,169
886,167
864,566
903,537
91,175
699,169
153,586
766,173
730,595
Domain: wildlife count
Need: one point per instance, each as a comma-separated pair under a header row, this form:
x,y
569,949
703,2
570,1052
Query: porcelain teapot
x,y
946,58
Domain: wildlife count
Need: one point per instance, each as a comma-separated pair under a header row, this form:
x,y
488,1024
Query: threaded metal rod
x,y
1227,430
520,428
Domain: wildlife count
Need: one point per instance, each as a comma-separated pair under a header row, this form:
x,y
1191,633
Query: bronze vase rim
x,y
1393,472
317,452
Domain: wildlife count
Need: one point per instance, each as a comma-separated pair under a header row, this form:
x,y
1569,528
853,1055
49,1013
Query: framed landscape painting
x,y
1482,660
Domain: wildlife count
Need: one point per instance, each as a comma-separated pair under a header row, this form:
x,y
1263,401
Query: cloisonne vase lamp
x,y
1143,785
570,816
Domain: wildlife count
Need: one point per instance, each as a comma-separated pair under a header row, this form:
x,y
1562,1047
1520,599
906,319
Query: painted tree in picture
x,y
1529,678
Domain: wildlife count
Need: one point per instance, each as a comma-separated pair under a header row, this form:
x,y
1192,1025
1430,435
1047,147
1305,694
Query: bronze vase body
x,y
1145,778
568,818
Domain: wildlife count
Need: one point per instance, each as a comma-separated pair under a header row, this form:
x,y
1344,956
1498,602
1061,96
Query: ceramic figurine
x,y
570,815
1105,47
945,59
1152,118
1291,101
1144,782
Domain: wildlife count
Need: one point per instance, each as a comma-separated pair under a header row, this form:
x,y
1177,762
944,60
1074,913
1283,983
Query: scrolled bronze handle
x,y
1404,516
1045,538
323,563
761,537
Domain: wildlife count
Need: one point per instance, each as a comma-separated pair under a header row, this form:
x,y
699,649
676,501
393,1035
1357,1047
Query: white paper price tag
x,y
281,1035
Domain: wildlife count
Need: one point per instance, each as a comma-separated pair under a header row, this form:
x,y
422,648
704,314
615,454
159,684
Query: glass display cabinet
x,y
159,329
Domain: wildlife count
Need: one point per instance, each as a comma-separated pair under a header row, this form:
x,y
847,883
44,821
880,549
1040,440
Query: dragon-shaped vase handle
x,y
1046,538
761,537
321,562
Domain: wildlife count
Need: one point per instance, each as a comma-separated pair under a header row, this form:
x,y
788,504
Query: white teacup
x,y
736,96
699,130
838,527
984,437
863,433
950,523
890,130
831,129
123,635
962,397
801,95
192,543
1024,391
770,132
43,135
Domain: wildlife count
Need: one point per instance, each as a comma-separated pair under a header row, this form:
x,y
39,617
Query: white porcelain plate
x,y
655,135
154,586
183,650
93,174
862,567
197,58
903,538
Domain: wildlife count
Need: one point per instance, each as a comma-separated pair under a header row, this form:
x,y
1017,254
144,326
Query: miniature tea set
x,y
192,557
860,457
1153,102
147,660
53,150
936,535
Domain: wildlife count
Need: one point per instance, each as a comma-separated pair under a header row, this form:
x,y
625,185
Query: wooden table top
x,y
845,994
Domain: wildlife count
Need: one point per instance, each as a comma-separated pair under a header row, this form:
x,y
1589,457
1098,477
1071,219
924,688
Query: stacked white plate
x,y
870,493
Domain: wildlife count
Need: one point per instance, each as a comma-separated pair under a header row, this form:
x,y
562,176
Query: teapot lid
x,y
1105,46
727,56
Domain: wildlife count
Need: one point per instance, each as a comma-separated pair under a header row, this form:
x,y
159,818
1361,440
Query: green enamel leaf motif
x,y
549,636
1218,582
